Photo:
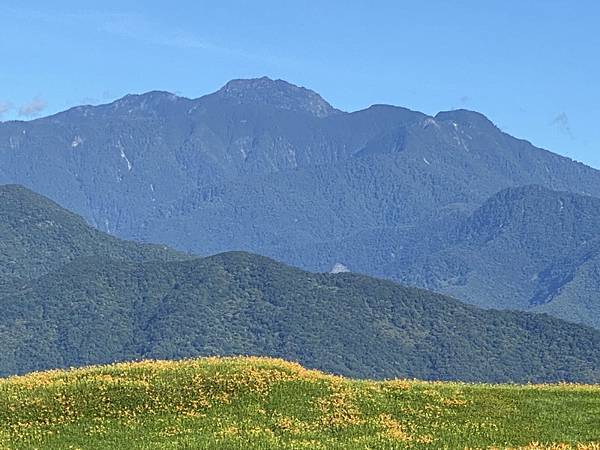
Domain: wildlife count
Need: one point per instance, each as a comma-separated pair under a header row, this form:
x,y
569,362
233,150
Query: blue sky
x,y
532,66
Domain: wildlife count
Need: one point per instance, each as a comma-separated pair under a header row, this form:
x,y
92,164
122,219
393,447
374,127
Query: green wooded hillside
x,y
75,296
97,310
38,236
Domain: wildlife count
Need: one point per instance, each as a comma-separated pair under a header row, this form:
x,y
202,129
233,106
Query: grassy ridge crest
x,y
258,403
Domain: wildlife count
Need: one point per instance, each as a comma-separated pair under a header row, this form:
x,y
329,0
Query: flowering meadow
x,y
262,403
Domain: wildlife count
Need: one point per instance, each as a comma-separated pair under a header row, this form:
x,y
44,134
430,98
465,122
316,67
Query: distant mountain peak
x,y
465,117
146,99
277,93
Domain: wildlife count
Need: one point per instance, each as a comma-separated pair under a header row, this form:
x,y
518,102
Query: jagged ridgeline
x,y
442,202
95,299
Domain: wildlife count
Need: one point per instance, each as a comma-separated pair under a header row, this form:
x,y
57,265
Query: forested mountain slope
x,y
79,296
525,248
264,162
38,236
268,167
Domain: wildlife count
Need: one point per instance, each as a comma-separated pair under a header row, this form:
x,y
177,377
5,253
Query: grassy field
x,y
260,403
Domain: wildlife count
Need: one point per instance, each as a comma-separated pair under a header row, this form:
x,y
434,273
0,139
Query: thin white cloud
x,y
138,28
4,108
135,26
33,108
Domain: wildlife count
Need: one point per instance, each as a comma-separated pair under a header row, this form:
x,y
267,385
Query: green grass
x,y
260,403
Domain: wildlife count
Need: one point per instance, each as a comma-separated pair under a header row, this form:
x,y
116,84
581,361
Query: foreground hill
x,y
265,166
258,403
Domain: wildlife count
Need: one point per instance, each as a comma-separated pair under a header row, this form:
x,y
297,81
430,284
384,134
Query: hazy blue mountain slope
x,y
140,157
575,292
130,166
527,248
530,227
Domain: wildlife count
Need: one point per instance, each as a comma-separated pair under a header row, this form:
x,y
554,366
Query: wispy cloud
x,y
4,108
33,108
137,27
562,123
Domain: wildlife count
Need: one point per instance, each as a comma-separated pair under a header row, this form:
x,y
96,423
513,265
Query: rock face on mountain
x,y
277,94
272,168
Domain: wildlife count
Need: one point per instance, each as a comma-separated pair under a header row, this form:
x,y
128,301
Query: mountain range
x,y
73,295
446,202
